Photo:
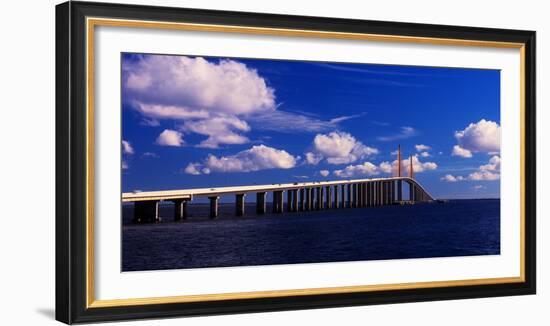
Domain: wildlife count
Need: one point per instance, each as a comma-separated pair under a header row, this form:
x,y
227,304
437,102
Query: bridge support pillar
x,y
356,195
367,194
289,200
260,203
362,194
385,193
278,201
399,190
180,209
379,193
146,211
359,195
319,200
301,203
329,196
411,192
239,204
392,192
365,191
371,193
294,206
214,206
309,199
350,195
343,193
336,201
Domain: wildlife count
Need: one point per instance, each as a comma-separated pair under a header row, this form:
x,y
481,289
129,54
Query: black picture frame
x,y
71,156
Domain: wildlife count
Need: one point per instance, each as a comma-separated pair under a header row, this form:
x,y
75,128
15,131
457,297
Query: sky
x,y
191,122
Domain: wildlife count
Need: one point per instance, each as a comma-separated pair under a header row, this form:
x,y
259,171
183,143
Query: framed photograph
x,y
215,162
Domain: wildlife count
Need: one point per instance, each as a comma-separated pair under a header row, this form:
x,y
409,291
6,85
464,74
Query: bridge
x,y
300,196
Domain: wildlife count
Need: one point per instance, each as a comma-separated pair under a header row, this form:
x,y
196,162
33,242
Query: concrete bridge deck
x,y
301,196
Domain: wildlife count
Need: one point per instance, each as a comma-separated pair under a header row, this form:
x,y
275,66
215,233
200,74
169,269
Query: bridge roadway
x,y
301,196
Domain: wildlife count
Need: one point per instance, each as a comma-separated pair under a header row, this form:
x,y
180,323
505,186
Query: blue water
x,y
454,228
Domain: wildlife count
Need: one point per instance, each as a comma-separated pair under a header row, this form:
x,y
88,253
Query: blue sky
x,y
202,122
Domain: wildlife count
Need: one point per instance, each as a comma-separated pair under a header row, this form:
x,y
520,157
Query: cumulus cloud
x,y
207,96
170,138
386,167
418,166
220,130
452,178
484,176
159,112
493,165
425,154
127,147
338,148
405,132
486,172
324,173
193,168
203,93
226,86
483,136
462,152
313,159
360,170
256,158
421,147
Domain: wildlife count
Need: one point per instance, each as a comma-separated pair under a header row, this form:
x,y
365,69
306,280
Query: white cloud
x,y
256,158
425,154
124,165
324,173
288,122
361,170
170,138
127,147
338,148
484,176
486,172
462,152
195,84
193,168
346,117
493,165
452,178
418,166
313,159
405,132
387,167
478,187
149,154
220,130
158,111
421,147
483,136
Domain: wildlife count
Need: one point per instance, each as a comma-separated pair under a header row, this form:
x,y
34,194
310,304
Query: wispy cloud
x,y
345,117
288,122
404,133
364,70
380,123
